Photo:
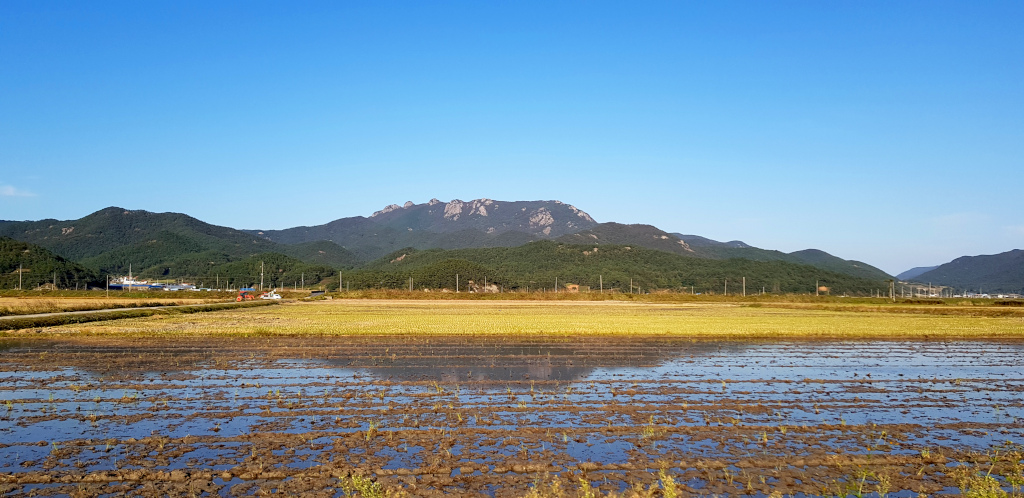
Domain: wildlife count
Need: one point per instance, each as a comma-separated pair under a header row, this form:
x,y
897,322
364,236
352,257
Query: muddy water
x,y
237,416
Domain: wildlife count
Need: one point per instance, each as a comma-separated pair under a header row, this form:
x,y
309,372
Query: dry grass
x,y
31,305
517,318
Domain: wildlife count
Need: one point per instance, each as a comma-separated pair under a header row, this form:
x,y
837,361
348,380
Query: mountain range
x,y
487,223
168,245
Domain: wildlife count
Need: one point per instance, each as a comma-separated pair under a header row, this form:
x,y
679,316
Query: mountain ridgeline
x,y
517,245
169,245
1002,273
445,225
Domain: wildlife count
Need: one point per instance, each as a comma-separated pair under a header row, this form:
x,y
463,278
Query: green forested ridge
x,y
38,267
161,245
538,264
812,257
1003,272
647,236
653,238
113,228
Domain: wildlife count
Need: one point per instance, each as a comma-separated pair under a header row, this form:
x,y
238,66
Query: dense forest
x,y
34,266
537,265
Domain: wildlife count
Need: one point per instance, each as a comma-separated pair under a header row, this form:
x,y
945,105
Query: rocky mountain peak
x,y
387,209
537,218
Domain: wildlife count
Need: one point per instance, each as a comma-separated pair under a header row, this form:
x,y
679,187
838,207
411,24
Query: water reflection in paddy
x,y
453,402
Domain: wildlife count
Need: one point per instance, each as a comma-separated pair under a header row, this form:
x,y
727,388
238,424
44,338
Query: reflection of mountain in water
x,y
462,360
442,359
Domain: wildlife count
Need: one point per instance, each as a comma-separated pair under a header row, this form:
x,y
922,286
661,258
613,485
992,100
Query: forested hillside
x,y
1003,272
161,245
37,266
538,264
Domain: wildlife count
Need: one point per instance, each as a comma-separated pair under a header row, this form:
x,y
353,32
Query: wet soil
x,y
229,416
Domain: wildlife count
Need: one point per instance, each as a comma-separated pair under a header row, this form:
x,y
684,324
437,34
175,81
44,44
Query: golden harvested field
x,y
517,318
518,398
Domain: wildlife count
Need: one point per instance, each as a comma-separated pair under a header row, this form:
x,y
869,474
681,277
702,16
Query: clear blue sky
x,y
890,132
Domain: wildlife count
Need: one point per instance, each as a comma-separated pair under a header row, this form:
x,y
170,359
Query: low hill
x,y
38,266
538,264
1003,272
654,238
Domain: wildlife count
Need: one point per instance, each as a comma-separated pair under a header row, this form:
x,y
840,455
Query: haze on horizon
x,y
887,133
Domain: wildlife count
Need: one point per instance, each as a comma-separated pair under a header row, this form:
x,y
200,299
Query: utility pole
x,y
744,286
456,283
303,280
816,287
556,285
630,286
600,279
261,276
108,286
726,292
339,280
19,276
410,284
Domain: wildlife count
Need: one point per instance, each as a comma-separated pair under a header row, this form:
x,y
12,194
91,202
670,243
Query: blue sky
x,y
889,132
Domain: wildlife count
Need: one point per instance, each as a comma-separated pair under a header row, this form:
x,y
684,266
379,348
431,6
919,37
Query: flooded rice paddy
x,y
243,416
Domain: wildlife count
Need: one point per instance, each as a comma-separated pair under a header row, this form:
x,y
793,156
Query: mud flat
x,y
233,415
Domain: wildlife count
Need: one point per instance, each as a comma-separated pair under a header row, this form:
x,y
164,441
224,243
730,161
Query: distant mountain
x,y
447,225
37,266
914,272
157,244
640,235
1003,272
700,247
538,264
698,241
812,257
537,218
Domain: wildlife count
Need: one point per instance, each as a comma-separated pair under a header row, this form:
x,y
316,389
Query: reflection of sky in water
x,y
813,383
